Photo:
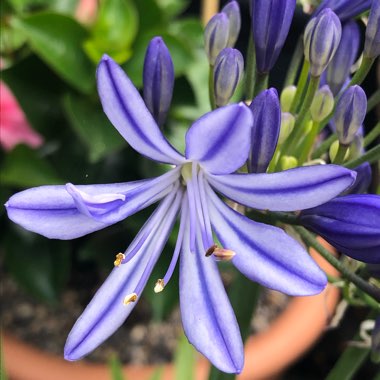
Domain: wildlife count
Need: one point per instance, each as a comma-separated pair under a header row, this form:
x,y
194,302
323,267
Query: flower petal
x,y
207,316
107,311
290,190
52,212
220,140
126,110
264,253
350,223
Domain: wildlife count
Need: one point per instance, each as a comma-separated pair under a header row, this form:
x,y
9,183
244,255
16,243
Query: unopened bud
x,y
372,32
216,36
323,104
228,71
333,151
287,125
286,98
232,10
350,113
288,162
321,39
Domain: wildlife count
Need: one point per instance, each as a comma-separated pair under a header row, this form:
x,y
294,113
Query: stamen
x,y
119,258
222,254
211,250
160,285
130,298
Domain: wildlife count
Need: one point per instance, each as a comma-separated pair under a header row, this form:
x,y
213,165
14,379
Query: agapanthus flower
x,y
217,145
345,9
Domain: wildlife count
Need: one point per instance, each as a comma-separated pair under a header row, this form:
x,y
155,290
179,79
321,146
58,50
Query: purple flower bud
x,y
228,71
350,223
362,181
271,21
372,33
344,9
232,10
321,39
350,113
339,68
216,36
266,112
158,79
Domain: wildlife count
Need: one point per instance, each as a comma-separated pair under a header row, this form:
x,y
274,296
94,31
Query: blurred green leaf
x,y
153,18
116,368
10,39
190,30
157,374
184,360
58,39
172,8
180,53
23,167
114,31
92,126
39,265
28,5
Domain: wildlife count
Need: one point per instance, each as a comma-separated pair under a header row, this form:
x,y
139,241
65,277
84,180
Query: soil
x,y
47,326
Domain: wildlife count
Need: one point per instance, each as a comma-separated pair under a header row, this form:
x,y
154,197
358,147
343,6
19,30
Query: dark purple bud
x,y
228,71
350,113
362,181
216,36
321,39
266,112
232,10
350,223
372,32
158,79
344,9
271,21
339,68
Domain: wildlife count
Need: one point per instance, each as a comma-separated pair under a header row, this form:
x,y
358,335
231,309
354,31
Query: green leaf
x,y
172,8
92,127
23,167
39,265
58,39
185,360
114,31
153,18
116,368
157,374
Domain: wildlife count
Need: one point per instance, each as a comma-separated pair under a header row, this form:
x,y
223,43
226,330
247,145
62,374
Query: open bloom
x,y
216,146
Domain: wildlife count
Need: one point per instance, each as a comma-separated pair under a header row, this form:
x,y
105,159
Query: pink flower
x,y
86,11
14,128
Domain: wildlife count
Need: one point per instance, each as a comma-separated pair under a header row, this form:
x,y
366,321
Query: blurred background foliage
x,y
49,53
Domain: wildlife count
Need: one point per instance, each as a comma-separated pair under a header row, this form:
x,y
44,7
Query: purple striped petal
x,y
126,110
372,33
207,316
345,9
290,190
350,223
52,212
219,140
266,112
107,311
362,181
266,254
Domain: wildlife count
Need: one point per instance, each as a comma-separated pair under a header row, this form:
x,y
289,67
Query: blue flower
x,y
217,145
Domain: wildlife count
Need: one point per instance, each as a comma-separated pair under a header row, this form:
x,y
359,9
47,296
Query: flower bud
x,y
321,39
287,96
265,130
232,10
271,21
158,79
228,71
333,151
323,104
287,125
288,162
362,181
339,68
216,36
344,9
372,32
350,113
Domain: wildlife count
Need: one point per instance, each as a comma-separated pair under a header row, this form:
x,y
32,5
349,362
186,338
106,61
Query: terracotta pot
x,y
266,354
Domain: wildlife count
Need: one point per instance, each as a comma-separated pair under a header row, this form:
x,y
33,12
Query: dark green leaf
x,y
92,127
58,39
23,167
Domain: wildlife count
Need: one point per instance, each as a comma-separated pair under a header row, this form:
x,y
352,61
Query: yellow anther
x,y
159,287
119,258
130,298
222,254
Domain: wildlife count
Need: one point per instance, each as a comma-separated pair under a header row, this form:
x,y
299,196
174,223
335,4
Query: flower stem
x,y
373,100
363,70
372,135
339,158
370,156
308,144
302,81
310,240
294,64
261,83
250,69
211,90
324,146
